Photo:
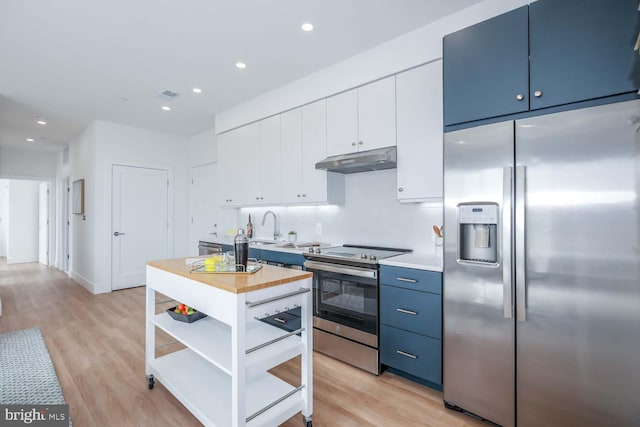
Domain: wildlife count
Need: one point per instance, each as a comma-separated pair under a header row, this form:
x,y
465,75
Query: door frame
x,y
65,210
48,223
53,205
108,211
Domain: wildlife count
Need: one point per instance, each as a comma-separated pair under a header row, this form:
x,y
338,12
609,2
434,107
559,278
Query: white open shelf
x,y
206,390
211,339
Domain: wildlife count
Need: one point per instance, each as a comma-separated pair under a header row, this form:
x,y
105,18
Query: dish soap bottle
x,y
241,246
249,228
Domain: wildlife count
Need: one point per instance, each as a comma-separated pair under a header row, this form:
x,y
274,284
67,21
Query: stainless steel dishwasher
x,y
208,248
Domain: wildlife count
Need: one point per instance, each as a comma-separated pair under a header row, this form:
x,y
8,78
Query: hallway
x,y
96,344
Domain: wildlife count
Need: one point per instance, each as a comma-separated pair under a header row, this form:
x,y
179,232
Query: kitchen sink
x,y
262,242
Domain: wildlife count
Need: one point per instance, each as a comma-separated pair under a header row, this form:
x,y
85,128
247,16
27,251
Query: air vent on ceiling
x,y
168,94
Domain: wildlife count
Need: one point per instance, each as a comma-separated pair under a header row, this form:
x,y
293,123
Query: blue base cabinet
x,y
550,53
411,323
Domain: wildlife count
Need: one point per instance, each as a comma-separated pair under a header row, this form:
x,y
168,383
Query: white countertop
x,y
417,260
278,247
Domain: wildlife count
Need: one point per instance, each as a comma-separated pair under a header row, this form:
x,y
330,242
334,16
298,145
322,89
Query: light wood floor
x,y
97,347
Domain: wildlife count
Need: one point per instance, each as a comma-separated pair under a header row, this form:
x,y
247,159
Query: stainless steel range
x,y
345,302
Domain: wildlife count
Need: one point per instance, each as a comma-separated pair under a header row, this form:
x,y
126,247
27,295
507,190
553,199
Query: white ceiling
x,y
70,60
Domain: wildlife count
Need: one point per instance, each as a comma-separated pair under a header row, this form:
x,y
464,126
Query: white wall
x,y
19,163
409,50
22,241
82,159
203,148
4,215
92,158
370,216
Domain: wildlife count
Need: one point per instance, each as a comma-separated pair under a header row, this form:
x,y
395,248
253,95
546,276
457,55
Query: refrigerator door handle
x,y
521,284
507,252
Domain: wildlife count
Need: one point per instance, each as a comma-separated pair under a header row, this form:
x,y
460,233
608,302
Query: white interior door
x,y
43,224
204,205
140,222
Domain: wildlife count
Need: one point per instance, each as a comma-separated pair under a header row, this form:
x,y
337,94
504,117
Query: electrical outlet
x,y
318,228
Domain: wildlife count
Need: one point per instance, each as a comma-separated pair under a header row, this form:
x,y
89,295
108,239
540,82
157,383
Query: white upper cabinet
x,y
304,143
244,164
226,155
267,185
377,114
362,119
291,155
342,123
318,186
419,130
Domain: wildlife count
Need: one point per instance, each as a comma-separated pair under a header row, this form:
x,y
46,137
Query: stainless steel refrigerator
x,y
542,269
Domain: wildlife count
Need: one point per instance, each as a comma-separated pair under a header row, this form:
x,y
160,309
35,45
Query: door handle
x,y
118,234
521,284
507,242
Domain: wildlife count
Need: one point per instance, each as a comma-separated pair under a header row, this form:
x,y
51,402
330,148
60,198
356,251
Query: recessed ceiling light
x,y
197,90
306,27
166,108
241,65
30,140
41,122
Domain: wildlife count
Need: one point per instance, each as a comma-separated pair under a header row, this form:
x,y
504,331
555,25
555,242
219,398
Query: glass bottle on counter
x,y
249,228
241,246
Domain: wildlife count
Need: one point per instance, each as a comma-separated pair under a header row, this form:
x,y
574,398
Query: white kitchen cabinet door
x,y
419,99
244,176
291,155
314,149
226,154
377,114
342,123
203,207
268,185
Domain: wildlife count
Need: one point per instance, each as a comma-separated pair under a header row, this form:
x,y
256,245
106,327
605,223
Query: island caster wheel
x,y
307,421
150,381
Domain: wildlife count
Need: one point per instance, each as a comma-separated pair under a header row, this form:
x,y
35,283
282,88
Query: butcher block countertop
x,y
236,283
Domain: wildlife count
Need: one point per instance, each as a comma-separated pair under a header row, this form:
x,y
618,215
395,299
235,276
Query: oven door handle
x,y
351,271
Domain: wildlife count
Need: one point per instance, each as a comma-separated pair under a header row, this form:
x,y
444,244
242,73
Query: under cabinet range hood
x,y
363,161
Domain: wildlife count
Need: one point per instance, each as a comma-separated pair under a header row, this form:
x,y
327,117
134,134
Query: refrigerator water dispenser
x,y
478,224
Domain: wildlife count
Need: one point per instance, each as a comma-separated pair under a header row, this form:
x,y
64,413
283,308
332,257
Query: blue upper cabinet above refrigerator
x,y
484,70
547,54
582,49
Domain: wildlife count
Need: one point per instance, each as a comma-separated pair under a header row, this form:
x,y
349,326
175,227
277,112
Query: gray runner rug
x,y
26,371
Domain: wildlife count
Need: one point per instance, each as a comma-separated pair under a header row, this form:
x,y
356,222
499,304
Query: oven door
x,y
345,295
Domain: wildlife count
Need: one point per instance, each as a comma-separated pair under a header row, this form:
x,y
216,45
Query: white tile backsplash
x,y
371,216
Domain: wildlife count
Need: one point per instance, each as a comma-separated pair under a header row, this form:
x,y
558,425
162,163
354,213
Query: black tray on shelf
x,y
187,318
288,320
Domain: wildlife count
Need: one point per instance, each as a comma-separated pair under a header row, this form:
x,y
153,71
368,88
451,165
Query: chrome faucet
x,y
276,226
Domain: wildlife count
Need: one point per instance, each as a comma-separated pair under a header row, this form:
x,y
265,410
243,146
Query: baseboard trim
x,y
82,281
21,260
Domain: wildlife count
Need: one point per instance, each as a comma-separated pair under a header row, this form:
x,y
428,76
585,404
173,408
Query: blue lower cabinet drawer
x,y
414,311
412,353
411,278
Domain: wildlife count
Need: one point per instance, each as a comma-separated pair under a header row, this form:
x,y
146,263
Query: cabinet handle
x,y
402,279
402,310
257,198
401,189
277,319
261,198
519,97
304,195
353,144
360,143
405,354
298,195
537,93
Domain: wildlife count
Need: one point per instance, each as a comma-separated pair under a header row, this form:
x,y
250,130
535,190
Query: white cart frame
x,y
221,377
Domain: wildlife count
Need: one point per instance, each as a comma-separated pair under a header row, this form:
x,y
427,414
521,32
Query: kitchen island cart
x,y
222,375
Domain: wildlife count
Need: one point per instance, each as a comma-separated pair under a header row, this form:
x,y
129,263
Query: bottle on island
x,y
249,228
241,246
